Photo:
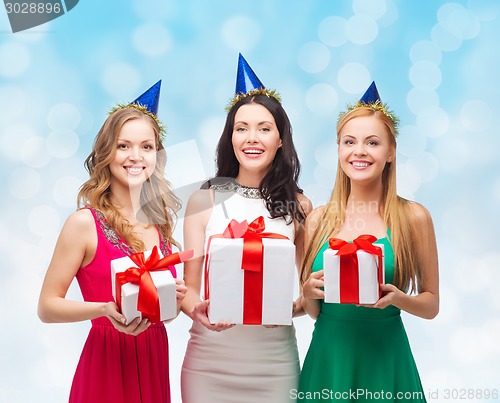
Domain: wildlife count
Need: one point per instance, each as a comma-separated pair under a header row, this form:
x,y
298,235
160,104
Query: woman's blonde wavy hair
x,y
394,210
159,205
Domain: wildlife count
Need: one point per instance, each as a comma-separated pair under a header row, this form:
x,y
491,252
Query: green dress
x,y
359,354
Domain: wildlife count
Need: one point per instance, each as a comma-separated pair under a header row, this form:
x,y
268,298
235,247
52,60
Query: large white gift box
x,y
163,280
226,281
353,285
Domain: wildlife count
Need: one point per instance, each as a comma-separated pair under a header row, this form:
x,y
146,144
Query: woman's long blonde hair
x,y
159,205
394,210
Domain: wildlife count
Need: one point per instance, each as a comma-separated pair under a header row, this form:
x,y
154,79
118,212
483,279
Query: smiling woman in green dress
x,y
362,353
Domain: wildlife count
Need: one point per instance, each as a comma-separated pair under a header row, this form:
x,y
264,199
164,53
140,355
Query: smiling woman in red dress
x,y
127,206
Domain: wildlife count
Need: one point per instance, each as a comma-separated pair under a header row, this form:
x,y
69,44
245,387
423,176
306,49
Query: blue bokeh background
x,y
435,62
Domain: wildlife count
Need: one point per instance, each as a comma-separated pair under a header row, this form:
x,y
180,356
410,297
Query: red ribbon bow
x,y
252,263
148,303
349,264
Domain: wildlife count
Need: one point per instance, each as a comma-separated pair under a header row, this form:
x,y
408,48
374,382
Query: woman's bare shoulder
x,y
418,214
305,203
81,220
316,213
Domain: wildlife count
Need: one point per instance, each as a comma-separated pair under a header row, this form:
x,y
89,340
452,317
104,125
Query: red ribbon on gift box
x,y
349,275
148,302
252,263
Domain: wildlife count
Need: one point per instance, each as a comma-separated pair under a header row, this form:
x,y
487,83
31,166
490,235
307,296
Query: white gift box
x,y
226,281
367,273
163,281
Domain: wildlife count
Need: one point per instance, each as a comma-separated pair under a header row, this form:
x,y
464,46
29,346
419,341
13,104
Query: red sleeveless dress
x,y
115,367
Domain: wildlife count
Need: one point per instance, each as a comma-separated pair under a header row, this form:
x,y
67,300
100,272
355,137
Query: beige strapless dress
x,y
247,363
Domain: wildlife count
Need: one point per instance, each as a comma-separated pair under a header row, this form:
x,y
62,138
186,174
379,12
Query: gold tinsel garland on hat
x,y
378,106
144,110
258,91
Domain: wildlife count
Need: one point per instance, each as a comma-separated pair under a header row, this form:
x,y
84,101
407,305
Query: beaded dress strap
x,y
234,187
116,240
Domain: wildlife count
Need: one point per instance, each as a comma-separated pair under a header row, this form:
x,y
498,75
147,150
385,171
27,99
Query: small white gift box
x,y
348,283
163,280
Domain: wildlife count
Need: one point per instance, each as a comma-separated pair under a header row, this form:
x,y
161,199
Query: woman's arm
x,y
311,292
426,303
197,215
75,247
198,211
306,206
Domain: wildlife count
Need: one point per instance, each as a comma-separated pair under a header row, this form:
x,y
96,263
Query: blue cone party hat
x,y
371,95
248,84
147,103
150,99
371,99
246,79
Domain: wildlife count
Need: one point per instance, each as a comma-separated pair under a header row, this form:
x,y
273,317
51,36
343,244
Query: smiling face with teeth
x,y
255,140
365,148
135,157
